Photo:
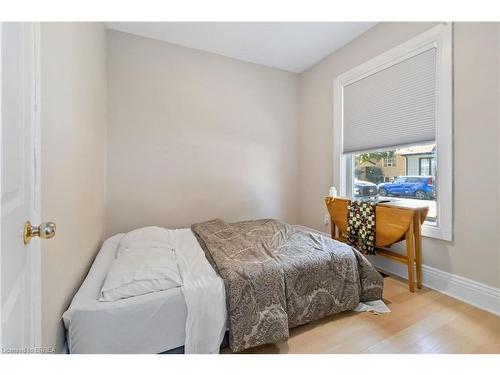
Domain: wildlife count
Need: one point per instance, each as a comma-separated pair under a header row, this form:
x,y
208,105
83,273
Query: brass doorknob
x,y
44,230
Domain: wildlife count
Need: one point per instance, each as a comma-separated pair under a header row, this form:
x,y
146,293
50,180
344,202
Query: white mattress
x,y
151,323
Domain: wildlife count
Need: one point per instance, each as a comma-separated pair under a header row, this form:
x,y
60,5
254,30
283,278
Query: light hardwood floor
x,y
421,322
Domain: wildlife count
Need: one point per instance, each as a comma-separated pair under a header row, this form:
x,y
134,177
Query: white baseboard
x,y
472,292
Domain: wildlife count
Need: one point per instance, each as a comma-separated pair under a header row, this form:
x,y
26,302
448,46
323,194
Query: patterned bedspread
x,y
278,277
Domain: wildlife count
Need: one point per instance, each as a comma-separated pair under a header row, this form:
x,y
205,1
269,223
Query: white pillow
x,y
147,237
141,271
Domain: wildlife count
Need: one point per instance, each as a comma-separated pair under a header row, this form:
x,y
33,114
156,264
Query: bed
x,y
155,322
256,279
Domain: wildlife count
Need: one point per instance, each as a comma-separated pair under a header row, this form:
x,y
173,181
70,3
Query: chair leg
x,y
410,254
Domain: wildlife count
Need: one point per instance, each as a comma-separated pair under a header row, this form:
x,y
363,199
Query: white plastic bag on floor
x,y
377,307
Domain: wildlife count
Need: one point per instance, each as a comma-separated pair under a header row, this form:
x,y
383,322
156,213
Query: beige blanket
x,y
278,277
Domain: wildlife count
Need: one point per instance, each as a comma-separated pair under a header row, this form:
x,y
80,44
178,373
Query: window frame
x,y
389,161
429,160
439,37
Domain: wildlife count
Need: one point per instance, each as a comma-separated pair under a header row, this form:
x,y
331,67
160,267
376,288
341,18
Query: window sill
x,y
433,231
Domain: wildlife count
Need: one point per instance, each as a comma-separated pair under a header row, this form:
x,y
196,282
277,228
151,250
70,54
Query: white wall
x,y
194,136
474,253
73,110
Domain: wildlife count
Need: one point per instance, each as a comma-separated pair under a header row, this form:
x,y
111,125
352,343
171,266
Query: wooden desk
x,y
394,222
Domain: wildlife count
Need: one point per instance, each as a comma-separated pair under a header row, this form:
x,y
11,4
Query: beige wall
x,y
194,136
474,251
73,110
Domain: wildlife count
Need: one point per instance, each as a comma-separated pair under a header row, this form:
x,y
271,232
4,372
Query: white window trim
x,y
439,37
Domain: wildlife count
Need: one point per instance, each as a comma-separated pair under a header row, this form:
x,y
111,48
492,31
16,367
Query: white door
x,y
20,263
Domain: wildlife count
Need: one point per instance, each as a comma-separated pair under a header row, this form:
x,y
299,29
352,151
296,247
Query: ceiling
x,y
291,46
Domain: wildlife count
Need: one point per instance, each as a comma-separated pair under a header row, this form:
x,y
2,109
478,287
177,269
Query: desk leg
x,y
410,254
418,247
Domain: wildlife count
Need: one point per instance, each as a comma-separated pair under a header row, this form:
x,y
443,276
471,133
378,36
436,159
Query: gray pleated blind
x,y
395,106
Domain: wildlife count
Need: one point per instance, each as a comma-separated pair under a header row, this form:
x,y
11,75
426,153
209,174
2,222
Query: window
x,y
390,161
424,166
407,185
398,106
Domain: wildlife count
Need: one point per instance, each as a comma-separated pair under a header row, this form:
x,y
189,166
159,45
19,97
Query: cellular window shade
x,y
392,107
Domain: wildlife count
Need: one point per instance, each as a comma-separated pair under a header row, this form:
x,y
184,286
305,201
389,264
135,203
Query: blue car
x,y
420,187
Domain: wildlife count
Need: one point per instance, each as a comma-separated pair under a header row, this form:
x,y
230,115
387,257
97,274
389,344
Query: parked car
x,y
420,187
364,189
